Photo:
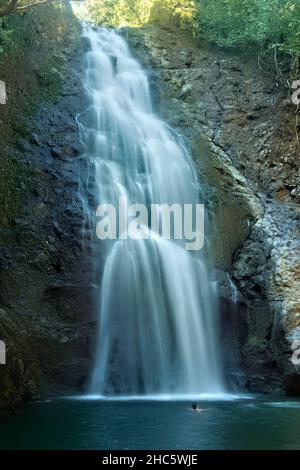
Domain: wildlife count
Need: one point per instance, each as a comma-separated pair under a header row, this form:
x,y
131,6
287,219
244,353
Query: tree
x,y
9,7
138,12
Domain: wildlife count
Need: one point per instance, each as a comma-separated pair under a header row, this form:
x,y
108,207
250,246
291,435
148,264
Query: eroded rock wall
x,y
46,306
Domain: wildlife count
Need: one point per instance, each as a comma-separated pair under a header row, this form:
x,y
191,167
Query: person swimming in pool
x,y
196,408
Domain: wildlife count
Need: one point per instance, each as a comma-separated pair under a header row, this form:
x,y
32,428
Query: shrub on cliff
x,y
115,13
138,12
10,7
264,23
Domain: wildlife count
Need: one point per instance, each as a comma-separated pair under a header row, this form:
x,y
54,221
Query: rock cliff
x,y
46,312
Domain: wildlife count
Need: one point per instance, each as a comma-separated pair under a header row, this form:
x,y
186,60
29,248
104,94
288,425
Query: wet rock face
x,y
266,270
47,315
241,126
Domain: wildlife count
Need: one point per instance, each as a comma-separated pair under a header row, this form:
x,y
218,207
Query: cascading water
x,y
157,327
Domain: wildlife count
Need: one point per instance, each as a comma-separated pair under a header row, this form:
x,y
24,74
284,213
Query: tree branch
x,y
27,7
8,8
12,7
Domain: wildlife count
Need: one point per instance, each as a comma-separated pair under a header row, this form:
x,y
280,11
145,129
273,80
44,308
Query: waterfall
x,y
157,315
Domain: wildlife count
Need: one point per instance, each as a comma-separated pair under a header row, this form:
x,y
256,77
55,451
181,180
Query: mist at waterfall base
x,y
158,332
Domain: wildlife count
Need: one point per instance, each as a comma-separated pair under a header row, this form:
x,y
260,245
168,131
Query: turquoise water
x,y
258,423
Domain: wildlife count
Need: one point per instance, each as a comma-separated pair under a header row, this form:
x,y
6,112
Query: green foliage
x,y
16,31
263,23
19,31
6,40
181,13
115,13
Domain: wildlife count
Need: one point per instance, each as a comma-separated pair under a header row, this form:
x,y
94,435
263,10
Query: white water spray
x,y
157,316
